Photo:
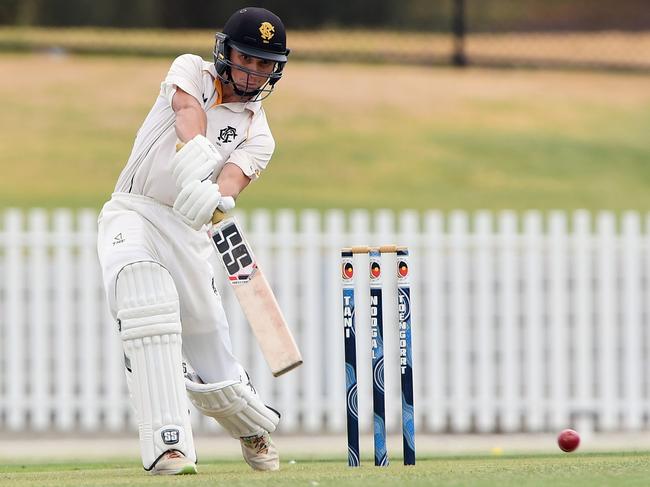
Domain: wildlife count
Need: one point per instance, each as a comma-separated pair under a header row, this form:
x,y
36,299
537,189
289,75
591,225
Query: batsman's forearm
x,y
190,122
232,180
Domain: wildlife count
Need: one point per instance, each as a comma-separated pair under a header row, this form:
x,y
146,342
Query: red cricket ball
x,y
568,440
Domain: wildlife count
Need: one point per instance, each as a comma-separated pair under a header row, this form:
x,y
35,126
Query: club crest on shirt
x,y
227,134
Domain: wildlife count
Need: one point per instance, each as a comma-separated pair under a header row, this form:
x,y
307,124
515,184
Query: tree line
x,y
424,15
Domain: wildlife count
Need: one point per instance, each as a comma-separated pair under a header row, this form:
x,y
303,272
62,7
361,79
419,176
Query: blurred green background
x,y
534,121
349,135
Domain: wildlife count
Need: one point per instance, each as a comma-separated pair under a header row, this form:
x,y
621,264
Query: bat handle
x,y
218,216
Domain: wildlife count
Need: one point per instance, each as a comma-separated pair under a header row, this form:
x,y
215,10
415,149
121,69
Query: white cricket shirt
x,y
239,131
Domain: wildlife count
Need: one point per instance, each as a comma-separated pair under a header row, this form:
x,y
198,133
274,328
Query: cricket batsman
x,y
154,249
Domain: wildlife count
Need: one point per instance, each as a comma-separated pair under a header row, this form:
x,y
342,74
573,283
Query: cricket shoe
x,y
260,452
173,462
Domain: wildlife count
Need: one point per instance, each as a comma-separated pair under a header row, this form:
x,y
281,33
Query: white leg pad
x,y
148,313
235,406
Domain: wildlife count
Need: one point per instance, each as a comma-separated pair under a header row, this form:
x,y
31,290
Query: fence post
x,y
583,327
434,333
458,30
508,306
533,324
606,317
88,329
557,305
485,322
631,322
459,326
312,332
63,325
38,320
287,285
14,346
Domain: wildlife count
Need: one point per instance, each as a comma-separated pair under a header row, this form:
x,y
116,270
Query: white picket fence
x,y
528,322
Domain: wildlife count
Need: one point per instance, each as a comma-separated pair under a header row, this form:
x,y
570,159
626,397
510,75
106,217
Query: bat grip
x,y
218,216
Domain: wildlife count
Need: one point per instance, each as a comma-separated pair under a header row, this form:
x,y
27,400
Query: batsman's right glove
x,y
197,202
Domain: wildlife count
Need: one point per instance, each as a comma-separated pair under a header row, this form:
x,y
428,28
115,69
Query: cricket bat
x,y
254,295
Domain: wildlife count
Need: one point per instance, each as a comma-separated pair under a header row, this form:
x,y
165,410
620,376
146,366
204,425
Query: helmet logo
x,y
267,31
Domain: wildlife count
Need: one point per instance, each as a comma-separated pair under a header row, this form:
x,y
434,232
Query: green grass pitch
x,y
557,470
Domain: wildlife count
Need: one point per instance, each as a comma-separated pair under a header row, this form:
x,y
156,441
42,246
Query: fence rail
x,y
527,322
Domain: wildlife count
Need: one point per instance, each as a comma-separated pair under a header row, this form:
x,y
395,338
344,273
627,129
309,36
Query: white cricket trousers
x,y
135,228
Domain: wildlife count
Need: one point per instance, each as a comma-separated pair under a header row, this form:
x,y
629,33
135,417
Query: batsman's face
x,y
256,72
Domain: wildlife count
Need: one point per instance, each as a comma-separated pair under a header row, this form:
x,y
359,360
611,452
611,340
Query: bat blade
x,y
255,297
268,324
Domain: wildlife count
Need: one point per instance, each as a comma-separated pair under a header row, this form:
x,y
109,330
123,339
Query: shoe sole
x,y
186,470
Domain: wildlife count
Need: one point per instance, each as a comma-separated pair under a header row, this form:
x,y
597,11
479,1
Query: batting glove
x,y
195,161
196,203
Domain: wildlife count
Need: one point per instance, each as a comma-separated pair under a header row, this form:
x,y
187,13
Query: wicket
x,y
377,333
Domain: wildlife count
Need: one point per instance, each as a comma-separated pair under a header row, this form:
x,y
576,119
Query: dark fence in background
x,y
546,33
424,15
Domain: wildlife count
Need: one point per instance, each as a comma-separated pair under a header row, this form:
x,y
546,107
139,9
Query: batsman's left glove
x,y
195,161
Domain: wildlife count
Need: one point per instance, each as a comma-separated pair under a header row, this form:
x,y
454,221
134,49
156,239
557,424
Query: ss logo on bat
x,y
231,246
